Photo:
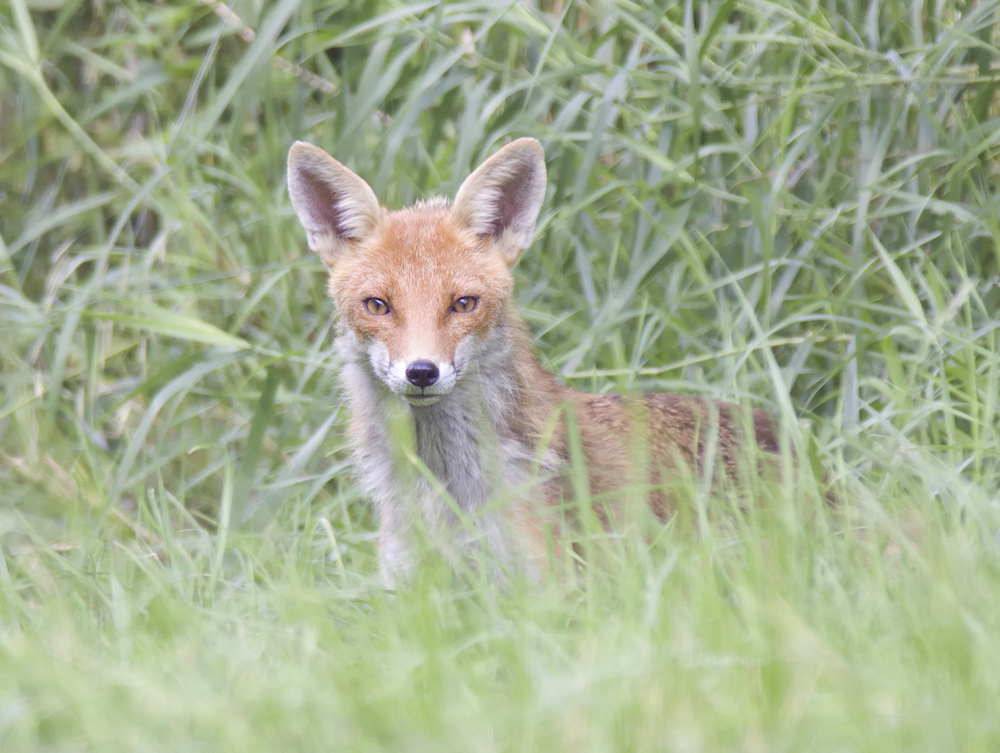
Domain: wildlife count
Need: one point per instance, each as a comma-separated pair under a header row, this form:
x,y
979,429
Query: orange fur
x,y
493,421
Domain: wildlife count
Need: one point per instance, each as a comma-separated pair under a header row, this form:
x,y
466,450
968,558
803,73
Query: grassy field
x,y
793,206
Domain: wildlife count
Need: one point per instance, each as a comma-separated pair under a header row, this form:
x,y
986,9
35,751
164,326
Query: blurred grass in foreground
x,y
791,205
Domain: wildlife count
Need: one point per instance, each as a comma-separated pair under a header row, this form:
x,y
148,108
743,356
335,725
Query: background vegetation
x,y
792,205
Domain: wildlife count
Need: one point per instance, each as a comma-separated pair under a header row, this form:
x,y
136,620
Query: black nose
x,y
422,373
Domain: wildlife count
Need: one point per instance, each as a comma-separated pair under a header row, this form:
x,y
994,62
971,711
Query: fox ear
x,y
501,199
334,205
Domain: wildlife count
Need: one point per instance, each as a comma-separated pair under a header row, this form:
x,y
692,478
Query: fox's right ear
x,y
334,205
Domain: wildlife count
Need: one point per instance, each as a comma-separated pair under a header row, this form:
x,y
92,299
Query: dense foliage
x,y
789,205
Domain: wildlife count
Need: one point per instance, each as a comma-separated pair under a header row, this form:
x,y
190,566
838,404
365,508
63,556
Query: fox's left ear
x,y
501,199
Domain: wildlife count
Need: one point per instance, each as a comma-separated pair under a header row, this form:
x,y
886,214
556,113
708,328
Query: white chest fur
x,y
448,468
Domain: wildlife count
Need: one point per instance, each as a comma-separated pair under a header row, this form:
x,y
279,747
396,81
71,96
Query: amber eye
x,y
376,306
465,304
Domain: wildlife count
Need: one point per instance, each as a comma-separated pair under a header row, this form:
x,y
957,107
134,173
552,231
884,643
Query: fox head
x,y
423,292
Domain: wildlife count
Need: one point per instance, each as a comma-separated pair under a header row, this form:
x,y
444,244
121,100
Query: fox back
x,y
457,430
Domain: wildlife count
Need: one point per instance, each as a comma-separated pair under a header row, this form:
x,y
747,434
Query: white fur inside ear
x,y
502,198
334,205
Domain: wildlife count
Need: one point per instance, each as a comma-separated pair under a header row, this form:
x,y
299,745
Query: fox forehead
x,y
417,257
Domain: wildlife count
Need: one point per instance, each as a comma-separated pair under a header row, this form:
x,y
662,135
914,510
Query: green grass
x,y
789,205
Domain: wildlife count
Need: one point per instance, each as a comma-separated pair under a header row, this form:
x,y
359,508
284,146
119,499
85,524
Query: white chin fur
x,y
421,400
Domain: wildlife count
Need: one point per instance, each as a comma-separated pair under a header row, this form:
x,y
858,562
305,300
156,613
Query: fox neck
x,y
459,438
475,442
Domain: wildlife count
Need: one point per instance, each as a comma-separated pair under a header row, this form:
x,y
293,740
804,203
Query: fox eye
x,y
376,306
465,304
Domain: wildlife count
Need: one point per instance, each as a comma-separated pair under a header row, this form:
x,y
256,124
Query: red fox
x,y
439,371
